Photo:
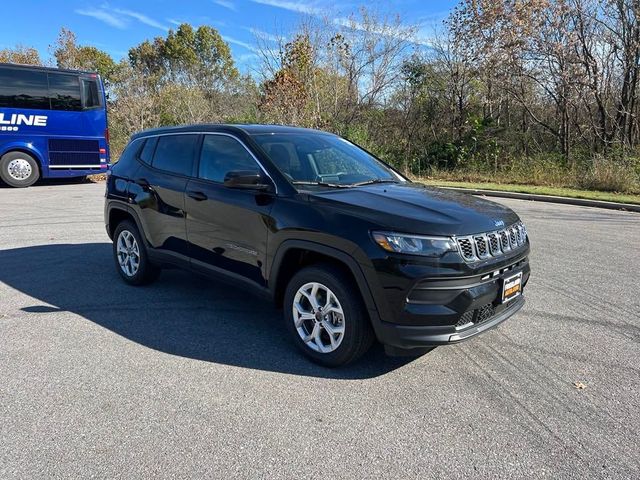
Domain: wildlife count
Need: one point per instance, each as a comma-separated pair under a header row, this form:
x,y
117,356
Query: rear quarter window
x,y
146,154
175,153
130,152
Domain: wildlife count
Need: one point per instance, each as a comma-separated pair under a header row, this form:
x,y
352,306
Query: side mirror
x,y
245,179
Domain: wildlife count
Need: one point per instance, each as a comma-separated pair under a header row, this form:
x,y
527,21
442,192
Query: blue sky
x,y
115,26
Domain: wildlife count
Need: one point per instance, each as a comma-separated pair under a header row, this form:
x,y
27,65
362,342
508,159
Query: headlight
x,y
415,244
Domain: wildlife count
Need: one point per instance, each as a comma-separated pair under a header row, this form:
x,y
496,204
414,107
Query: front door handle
x,y
197,196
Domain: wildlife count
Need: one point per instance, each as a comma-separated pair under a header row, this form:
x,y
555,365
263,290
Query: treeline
x,y
537,91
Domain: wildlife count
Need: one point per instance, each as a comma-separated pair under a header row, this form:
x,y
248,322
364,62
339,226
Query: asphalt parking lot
x,y
189,378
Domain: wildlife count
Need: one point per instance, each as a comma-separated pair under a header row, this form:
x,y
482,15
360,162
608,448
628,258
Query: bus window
x,y
23,89
64,91
90,94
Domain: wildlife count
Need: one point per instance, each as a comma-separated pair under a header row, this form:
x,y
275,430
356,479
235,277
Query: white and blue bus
x,y
53,124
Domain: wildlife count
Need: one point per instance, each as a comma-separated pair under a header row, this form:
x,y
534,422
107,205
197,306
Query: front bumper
x,y
442,310
410,336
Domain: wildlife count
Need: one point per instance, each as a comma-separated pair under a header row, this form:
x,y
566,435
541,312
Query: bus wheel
x,y
19,169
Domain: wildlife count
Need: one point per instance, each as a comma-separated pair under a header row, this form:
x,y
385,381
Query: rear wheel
x,y
130,255
18,169
326,316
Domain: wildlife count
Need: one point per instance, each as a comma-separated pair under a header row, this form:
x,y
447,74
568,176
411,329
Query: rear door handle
x,y
197,196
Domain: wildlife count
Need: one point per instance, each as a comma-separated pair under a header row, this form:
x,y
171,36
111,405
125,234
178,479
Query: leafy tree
x,y
20,54
195,57
69,54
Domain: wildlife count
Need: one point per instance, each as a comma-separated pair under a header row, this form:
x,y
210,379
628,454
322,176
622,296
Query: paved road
x,y
189,378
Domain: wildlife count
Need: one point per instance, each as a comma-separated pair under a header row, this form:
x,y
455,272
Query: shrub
x,y
609,175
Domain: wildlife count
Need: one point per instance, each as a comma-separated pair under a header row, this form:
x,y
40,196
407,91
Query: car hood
x,y
414,208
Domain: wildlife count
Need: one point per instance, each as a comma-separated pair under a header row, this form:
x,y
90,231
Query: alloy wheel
x,y
318,317
128,253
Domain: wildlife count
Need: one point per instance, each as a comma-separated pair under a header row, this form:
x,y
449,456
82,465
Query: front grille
x,y
481,246
484,313
466,318
513,237
476,316
492,244
466,248
504,241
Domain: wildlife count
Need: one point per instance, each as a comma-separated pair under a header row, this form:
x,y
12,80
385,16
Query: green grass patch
x,y
539,190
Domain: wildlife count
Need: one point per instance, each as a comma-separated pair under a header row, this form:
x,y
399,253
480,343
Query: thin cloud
x,y
395,31
104,16
226,4
261,34
120,18
292,6
235,41
246,57
142,18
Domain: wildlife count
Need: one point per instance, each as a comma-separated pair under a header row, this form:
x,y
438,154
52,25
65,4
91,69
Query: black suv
x,y
347,246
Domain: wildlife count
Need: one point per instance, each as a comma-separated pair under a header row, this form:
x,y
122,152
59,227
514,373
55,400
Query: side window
x,y
130,152
174,153
220,155
64,91
146,154
23,89
90,93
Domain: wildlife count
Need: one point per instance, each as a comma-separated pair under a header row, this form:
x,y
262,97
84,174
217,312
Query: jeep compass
x,y
348,247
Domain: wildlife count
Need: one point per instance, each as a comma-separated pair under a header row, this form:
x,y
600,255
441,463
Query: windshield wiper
x,y
321,184
372,181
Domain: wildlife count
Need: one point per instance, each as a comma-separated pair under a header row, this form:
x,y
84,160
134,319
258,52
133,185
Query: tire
x,y
127,247
328,349
18,169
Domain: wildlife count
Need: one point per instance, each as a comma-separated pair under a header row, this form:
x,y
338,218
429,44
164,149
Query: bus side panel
x,y
35,145
46,133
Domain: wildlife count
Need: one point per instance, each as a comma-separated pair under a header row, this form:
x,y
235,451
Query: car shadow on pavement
x,y
181,314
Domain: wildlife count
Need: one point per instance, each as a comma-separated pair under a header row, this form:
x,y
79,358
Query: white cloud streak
x,y
103,16
261,34
240,43
292,6
226,4
120,18
142,18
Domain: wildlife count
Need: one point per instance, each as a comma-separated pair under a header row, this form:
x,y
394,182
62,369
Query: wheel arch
x,y
295,254
117,213
32,152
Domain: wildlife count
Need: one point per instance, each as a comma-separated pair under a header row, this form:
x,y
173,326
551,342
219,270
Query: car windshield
x,y
323,160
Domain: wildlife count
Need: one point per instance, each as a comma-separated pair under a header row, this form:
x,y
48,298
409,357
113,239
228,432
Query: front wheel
x,y
326,316
18,169
130,255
